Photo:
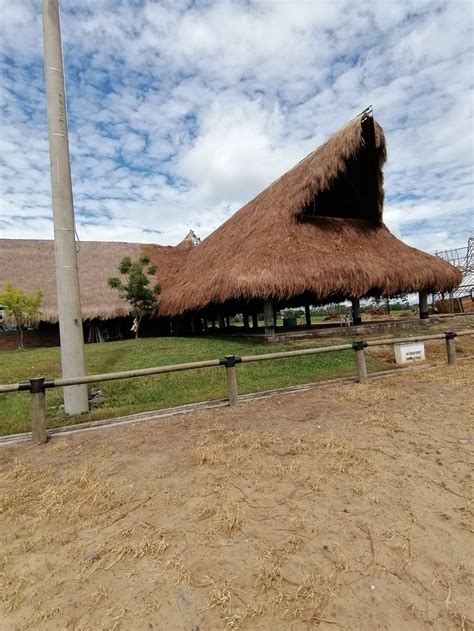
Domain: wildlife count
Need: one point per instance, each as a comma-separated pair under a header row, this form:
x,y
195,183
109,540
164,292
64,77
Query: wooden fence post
x,y
360,358
356,312
229,362
451,347
38,410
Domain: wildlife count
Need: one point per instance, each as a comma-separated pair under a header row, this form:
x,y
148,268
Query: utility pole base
x,y
76,399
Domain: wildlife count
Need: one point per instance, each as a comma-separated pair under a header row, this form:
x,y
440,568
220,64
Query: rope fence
x,y
37,386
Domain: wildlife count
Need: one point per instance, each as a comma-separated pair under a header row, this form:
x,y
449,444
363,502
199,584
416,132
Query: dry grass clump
x,y
204,510
40,618
12,586
98,596
153,546
179,574
340,455
460,375
211,455
228,518
229,447
239,620
12,501
310,598
379,420
268,576
151,604
287,470
78,498
222,594
253,441
176,497
21,471
269,570
60,445
298,446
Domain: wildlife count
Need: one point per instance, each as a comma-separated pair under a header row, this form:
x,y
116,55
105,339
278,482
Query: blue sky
x,y
180,112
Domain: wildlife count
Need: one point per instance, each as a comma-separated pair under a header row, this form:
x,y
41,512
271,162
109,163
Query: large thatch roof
x,y
29,264
317,231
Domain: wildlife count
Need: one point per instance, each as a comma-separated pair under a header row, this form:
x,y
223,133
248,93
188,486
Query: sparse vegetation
x,y
22,308
136,290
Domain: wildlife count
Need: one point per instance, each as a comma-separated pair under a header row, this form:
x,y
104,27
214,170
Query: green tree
x,y
136,290
22,308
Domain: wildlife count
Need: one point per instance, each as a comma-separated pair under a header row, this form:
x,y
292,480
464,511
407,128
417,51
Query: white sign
x,y
411,351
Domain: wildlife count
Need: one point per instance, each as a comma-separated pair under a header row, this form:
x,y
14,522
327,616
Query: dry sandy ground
x,y
339,508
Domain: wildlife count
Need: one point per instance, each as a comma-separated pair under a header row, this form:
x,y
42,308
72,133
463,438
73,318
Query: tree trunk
x,y
20,337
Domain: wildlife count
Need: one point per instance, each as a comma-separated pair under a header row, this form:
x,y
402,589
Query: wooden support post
x,y
360,358
193,324
231,375
423,300
255,321
245,316
356,313
268,317
451,348
307,314
220,317
38,411
227,322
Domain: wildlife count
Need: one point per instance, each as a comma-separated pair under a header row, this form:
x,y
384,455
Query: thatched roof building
x,y
30,264
315,235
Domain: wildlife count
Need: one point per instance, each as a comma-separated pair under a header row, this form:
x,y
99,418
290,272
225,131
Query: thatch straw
x,y
316,231
29,264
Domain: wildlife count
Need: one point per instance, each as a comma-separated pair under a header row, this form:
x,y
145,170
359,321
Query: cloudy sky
x,y
181,111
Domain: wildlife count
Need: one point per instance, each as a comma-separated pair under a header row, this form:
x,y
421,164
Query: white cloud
x,y
180,115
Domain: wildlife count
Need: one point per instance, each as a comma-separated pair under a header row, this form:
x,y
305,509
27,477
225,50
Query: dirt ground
x,y
338,508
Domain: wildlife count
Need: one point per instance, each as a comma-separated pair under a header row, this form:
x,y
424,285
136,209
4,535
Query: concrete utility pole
x,y
69,304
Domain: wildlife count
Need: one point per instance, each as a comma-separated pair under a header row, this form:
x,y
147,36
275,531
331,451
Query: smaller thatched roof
x,y
30,265
317,231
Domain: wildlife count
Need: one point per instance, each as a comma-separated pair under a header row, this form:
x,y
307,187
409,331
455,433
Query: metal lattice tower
x,y
463,259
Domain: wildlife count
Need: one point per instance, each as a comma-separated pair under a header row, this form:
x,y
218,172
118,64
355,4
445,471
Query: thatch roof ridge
x,y
334,152
341,146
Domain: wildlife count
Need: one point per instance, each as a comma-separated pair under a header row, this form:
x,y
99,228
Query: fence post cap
x,y
450,335
229,361
37,385
359,345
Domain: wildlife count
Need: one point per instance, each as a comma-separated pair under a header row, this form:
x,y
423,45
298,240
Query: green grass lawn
x,y
162,391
